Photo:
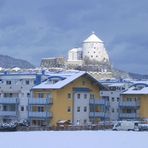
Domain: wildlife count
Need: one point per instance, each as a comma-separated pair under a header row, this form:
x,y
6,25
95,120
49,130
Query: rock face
x,y
57,62
9,62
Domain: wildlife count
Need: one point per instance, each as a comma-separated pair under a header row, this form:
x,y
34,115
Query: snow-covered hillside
x,y
74,139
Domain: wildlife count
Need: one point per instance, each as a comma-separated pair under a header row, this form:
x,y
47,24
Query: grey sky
x,y
33,29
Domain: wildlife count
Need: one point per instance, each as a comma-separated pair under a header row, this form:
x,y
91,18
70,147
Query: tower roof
x,y
93,38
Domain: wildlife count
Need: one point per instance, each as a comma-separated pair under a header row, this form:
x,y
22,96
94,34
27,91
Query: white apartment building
x,y
115,88
14,94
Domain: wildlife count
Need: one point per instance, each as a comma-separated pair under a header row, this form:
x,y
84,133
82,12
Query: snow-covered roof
x,y
134,91
93,38
67,78
16,68
76,49
116,84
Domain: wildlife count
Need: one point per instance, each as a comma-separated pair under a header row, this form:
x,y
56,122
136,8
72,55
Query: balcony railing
x,y
11,87
9,100
129,104
99,114
99,102
128,115
8,113
40,114
40,101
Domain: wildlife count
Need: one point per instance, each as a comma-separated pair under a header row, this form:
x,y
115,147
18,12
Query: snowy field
x,y
74,139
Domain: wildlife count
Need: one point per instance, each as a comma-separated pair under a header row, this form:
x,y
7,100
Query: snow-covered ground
x,y
74,139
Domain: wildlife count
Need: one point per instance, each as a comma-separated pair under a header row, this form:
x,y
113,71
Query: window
x,y
113,99
92,96
85,121
118,99
69,95
69,109
85,96
22,108
78,109
7,95
27,82
40,109
41,95
83,82
28,94
8,82
112,110
85,108
78,96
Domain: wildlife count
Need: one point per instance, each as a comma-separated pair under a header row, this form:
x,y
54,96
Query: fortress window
x,y
112,110
113,99
28,94
22,108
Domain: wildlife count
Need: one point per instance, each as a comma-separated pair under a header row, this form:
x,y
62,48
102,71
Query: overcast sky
x,y
34,29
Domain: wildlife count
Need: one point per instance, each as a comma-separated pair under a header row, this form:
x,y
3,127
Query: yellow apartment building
x,y
134,103
71,96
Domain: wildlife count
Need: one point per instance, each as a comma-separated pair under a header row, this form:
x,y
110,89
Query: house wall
x,y
144,106
61,102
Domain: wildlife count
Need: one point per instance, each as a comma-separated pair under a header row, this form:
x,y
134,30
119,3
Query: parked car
x,y
143,127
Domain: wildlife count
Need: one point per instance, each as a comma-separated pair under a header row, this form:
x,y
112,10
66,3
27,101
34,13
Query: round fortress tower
x,y
93,49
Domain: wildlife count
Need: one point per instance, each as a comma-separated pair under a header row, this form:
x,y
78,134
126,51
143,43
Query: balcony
x,y
9,100
11,88
133,104
99,102
128,115
40,114
99,114
39,101
8,113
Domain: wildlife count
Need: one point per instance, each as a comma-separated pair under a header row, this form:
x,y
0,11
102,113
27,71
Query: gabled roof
x,y
93,38
60,84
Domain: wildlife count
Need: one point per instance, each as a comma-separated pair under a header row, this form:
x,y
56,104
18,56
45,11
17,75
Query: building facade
x,y
14,94
134,101
115,89
72,97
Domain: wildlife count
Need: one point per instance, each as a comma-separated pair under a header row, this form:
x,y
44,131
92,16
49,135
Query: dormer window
x,y
54,79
